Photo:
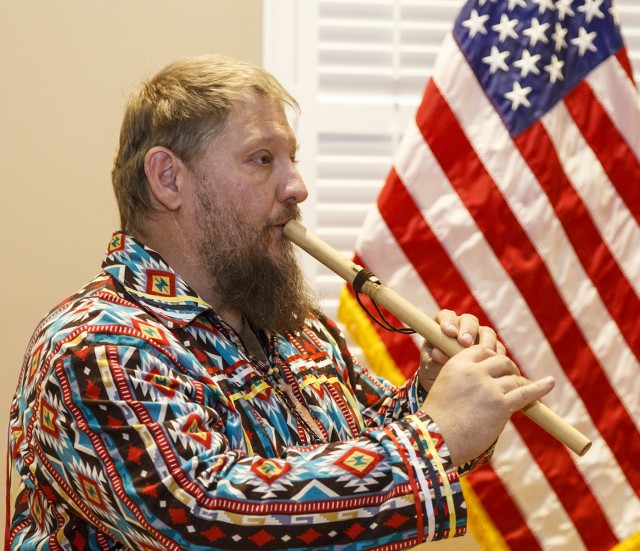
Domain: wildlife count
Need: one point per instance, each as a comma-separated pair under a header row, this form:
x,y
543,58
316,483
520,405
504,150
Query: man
x,y
193,396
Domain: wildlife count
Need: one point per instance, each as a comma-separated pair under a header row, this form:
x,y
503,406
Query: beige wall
x,y
65,69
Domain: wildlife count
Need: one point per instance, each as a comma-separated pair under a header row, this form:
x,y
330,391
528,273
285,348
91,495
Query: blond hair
x,y
182,107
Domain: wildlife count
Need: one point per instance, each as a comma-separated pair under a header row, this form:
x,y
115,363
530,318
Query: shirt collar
x,y
151,282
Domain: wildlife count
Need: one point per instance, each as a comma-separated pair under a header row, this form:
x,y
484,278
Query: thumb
x,y
429,368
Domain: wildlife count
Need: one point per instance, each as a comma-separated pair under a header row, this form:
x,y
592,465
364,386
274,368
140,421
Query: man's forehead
x,y
268,131
262,119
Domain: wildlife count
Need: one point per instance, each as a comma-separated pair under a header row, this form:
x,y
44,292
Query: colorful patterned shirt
x,y
142,422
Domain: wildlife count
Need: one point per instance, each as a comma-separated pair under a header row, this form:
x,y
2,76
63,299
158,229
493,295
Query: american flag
x,y
515,195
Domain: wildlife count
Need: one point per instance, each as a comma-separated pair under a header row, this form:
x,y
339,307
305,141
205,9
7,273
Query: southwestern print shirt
x,y
141,422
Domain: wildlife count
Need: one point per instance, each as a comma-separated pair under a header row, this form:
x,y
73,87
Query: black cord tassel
x,y
363,276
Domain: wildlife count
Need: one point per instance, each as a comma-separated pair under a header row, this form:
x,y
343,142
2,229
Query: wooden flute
x,y
423,325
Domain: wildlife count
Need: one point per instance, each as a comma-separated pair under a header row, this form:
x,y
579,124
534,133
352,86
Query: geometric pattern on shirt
x,y
166,434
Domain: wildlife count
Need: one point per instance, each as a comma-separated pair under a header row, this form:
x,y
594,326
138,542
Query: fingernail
x,y
467,339
451,327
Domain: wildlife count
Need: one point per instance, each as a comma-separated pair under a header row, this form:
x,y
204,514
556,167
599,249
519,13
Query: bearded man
x,y
193,396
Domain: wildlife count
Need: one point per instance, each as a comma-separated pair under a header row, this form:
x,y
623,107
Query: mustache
x,y
289,212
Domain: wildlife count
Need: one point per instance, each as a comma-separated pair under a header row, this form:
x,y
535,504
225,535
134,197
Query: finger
x,y
426,352
425,348
487,337
498,365
428,373
429,368
475,354
448,321
500,348
507,383
439,356
468,326
528,392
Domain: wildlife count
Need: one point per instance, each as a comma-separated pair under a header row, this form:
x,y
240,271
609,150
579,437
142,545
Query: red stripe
x,y
519,258
613,152
427,255
617,294
503,512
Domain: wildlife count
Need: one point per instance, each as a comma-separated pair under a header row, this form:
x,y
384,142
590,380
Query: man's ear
x,y
163,169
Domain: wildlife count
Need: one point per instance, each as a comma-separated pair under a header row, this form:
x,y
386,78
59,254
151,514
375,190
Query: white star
x,y
518,96
544,5
591,9
559,37
537,32
564,8
514,3
483,2
614,13
475,23
496,60
555,69
506,27
527,63
584,41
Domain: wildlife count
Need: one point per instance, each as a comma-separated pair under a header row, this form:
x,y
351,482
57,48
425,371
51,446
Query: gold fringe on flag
x,y
632,543
479,522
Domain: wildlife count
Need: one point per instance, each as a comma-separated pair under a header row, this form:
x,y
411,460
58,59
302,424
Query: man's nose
x,y
293,188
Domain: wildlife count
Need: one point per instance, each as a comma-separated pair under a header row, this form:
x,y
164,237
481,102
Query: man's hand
x,y
467,330
474,396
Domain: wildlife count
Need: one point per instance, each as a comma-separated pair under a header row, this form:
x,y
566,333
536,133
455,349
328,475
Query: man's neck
x,y
232,317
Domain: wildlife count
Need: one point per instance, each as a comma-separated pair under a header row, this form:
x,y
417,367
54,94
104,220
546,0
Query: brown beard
x,y
271,293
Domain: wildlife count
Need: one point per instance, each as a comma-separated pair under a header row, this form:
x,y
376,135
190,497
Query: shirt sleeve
x,y
138,449
381,402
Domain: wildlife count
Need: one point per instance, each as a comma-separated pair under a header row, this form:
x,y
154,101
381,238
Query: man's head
x,y
206,175
182,108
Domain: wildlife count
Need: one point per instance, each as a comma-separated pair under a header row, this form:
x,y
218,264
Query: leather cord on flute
x,y
358,282
422,324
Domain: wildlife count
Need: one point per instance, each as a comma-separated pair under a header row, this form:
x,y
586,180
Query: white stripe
x,y
424,485
616,224
619,97
533,494
444,211
529,204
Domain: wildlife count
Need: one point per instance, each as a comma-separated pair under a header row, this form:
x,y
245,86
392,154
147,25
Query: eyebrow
x,y
272,136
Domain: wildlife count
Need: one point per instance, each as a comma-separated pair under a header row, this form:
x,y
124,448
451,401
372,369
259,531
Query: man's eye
x,y
264,159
